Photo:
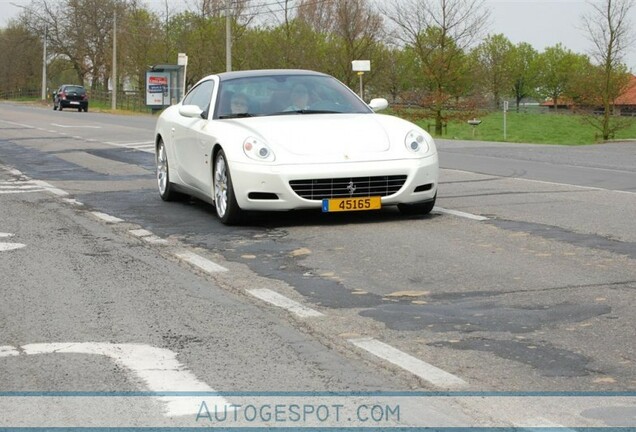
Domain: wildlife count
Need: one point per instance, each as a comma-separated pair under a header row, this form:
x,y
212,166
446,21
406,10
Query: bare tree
x,y
440,32
612,35
320,16
140,43
354,28
86,44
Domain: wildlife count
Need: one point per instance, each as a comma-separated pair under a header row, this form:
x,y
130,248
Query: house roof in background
x,y
629,96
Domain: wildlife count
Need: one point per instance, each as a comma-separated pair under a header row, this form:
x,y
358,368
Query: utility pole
x,y
46,31
228,36
113,104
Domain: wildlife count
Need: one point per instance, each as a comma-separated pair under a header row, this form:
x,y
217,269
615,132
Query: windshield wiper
x,y
306,111
237,115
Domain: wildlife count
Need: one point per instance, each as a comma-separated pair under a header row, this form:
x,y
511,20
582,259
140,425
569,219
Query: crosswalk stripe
x,y
144,146
5,192
26,186
20,186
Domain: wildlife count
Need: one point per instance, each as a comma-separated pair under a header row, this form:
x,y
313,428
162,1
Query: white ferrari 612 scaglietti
x,y
291,139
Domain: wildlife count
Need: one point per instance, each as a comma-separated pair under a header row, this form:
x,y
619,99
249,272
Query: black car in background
x,y
70,96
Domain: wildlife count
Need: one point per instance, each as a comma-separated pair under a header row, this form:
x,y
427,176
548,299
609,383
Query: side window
x,y
200,96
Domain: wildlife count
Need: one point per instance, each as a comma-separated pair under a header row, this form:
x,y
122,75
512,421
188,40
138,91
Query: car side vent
x,y
423,188
262,196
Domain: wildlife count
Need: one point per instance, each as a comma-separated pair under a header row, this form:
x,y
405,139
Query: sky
x,y
542,23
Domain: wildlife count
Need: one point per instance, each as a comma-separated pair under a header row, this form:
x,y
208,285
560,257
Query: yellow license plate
x,y
351,204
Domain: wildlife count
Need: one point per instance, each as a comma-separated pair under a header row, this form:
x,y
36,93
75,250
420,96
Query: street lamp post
x,y
113,102
228,36
46,30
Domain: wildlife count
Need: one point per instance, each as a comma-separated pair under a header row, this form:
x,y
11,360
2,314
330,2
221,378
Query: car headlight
x,y
416,142
257,149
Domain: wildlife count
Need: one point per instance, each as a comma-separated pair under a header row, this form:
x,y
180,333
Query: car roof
x,y
224,76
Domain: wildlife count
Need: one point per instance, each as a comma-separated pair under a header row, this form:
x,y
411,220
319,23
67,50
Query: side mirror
x,y
378,104
192,111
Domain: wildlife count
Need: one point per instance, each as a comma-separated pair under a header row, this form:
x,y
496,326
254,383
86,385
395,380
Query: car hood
x,y
324,135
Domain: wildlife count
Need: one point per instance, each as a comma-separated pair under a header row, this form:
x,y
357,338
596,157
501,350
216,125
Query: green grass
x,y
525,127
539,128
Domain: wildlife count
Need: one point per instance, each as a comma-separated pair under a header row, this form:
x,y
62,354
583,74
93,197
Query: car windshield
x,y
285,95
74,89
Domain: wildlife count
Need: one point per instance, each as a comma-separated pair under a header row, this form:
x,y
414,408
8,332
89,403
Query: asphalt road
x,y
521,280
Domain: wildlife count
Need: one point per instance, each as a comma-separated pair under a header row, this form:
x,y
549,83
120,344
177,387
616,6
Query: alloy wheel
x,y
162,169
220,186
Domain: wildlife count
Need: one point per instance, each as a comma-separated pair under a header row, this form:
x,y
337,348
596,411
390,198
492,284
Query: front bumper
x,y
272,181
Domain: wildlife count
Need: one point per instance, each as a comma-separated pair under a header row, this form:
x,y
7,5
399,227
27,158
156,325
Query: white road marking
x,y
198,261
28,182
76,126
158,368
460,214
140,232
541,423
20,186
18,124
144,146
8,351
591,188
427,372
148,237
107,218
134,144
50,188
5,247
279,300
155,240
73,201
24,184
7,192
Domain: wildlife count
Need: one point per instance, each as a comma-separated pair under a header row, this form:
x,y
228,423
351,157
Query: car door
x,y
191,144
56,97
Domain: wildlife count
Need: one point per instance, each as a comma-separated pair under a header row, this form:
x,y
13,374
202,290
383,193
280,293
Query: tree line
x,y
435,54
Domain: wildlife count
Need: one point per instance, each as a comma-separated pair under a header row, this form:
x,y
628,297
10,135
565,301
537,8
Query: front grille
x,y
319,189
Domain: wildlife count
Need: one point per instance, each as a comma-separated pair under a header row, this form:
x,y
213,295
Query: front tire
x,y
227,209
166,189
423,208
